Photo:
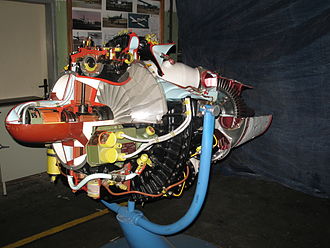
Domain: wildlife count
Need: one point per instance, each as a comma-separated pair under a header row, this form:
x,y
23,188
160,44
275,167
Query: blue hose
x,y
199,197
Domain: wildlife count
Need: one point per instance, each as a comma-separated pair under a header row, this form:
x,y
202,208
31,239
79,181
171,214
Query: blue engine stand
x,y
141,233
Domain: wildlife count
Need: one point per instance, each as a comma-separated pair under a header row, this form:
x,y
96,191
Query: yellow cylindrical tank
x,y
52,164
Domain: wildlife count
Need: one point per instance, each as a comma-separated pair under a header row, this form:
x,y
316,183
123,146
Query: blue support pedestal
x,y
141,233
177,241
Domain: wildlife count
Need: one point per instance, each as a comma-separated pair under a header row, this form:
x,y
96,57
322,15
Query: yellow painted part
x,y
152,38
108,155
110,182
52,167
187,101
140,163
188,113
111,141
140,167
198,150
149,162
216,141
88,68
56,229
130,60
117,49
118,145
53,178
122,186
150,131
180,193
118,135
121,157
51,151
144,157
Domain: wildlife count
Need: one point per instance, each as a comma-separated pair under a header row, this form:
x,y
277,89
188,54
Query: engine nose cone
x,y
39,133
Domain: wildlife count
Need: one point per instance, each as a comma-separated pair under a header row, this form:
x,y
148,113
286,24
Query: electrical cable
x,y
147,194
214,145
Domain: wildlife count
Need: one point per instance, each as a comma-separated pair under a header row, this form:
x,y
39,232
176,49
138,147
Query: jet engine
x,y
126,120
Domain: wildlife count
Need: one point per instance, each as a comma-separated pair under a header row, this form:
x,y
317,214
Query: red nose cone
x,y
42,133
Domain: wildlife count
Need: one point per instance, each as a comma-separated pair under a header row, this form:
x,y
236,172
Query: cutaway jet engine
x,y
128,118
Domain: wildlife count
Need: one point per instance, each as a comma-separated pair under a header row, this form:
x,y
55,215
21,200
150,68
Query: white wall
x,y
22,48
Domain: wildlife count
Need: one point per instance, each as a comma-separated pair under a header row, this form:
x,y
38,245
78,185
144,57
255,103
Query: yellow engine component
x,y
119,134
152,38
108,155
52,164
111,155
130,58
93,189
121,186
150,131
121,157
117,49
142,161
110,141
88,68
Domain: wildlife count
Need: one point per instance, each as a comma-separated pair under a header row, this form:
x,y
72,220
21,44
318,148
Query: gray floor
x,y
239,212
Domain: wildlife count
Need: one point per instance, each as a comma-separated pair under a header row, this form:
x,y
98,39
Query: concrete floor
x,y
239,212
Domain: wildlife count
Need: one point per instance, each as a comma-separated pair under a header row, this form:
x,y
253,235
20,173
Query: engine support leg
x,y
140,232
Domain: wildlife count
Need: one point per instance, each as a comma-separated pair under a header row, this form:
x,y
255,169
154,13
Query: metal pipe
x,y
202,184
137,218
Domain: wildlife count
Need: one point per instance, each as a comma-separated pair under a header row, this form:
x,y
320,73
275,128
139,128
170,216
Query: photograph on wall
x,y
115,20
103,19
89,4
138,21
80,36
86,20
148,7
119,5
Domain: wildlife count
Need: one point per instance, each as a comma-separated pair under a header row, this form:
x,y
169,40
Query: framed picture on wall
x,y
104,19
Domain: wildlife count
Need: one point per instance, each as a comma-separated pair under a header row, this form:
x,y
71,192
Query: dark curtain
x,y
282,49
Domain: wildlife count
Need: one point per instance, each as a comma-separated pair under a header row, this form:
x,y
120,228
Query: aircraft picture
x,y
86,20
138,21
119,5
148,7
91,4
115,21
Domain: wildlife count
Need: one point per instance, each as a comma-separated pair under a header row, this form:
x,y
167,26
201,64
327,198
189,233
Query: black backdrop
x,y
282,49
